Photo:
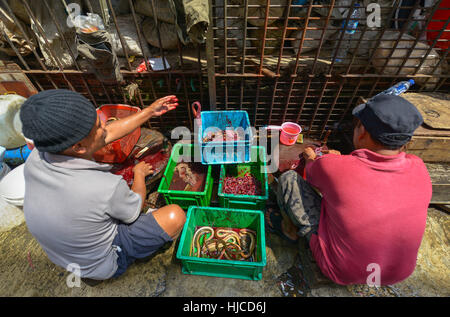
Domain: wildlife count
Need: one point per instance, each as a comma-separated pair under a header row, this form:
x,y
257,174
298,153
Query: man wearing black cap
x,y
85,218
367,224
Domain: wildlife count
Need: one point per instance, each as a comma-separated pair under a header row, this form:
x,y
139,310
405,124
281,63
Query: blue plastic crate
x,y
225,152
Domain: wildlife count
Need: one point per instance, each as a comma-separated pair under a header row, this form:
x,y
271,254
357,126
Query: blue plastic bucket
x,y
17,156
230,151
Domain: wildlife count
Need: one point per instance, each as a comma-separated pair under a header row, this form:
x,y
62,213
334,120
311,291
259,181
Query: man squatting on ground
x,y
373,202
78,211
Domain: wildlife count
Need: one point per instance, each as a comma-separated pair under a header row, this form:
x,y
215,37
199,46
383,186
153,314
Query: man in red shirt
x,y
370,216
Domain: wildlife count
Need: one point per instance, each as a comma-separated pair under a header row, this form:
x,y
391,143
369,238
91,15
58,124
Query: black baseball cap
x,y
389,119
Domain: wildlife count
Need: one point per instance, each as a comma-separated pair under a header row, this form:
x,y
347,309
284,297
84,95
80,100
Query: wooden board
x,y
431,141
430,148
440,179
434,107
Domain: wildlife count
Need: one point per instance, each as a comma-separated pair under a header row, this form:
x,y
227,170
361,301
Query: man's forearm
x,y
139,187
120,128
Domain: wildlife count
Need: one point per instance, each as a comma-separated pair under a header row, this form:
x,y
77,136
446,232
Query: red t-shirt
x,y
374,210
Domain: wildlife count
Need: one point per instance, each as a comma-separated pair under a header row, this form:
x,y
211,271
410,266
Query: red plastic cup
x,y
289,132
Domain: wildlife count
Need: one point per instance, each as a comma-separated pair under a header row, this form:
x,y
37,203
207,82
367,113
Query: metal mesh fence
x,y
281,60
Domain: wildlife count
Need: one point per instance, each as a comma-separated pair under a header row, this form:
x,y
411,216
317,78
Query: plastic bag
x,y
129,34
167,31
88,23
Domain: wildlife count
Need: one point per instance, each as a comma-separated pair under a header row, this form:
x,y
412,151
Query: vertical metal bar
x,y
241,96
15,49
50,51
188,103
225,44
308,85
404,28
317,107
369,63
332,108
211,61
333,60
226,93
122,41
138,31
283,39
200,71
20,58
106,91
155,18
125,51
418,37
294,73
443,58
58,27
245,37
88,3
414,45
266,20
432,45
27,39
440,85
258,87
243,55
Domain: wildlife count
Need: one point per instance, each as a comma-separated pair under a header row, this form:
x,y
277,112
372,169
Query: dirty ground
x,y
26,271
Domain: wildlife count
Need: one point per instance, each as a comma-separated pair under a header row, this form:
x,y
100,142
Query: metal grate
x,y
186,80
280,64
274,58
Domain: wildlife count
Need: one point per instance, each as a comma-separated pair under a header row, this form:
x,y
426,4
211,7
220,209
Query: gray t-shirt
x,y
72,207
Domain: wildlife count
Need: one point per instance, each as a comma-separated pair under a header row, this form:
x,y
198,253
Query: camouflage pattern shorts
x,y
300,202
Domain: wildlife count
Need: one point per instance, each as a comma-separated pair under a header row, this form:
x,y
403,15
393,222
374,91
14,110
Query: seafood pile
x,y
224,243
188,177
221,135
246,185
185,173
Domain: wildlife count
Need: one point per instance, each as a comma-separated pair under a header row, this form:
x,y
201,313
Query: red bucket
x,y
117,151
442,13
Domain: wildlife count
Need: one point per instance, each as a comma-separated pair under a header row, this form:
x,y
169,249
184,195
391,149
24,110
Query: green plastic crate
x,y
184,198
230,218
258,162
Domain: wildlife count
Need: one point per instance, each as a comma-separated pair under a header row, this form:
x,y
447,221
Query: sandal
x,y
275,219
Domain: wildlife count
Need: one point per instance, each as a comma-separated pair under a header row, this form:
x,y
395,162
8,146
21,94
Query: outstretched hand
x,y
162,105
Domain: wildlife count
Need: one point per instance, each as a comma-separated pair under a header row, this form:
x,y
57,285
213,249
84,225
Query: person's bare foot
x,y
287,227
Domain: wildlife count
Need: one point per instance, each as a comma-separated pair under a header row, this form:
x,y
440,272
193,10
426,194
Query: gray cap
x,y
57,119
390,119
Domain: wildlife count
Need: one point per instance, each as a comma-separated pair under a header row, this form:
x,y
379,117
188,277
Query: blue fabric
x,y
138,240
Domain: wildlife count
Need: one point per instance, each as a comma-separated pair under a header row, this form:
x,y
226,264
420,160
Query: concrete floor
x,y
26,271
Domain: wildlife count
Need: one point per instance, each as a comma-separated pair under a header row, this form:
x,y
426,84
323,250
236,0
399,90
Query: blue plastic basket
x,y
225,152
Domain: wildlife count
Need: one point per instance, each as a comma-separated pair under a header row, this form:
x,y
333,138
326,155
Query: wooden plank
x,y
440,178
430,149
434,107
441,194
424,131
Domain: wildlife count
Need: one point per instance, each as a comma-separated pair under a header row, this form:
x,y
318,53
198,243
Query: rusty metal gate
x,y
277,60
274,58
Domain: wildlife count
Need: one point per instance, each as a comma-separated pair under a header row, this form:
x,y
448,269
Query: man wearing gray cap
x,y
86,218
367,224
